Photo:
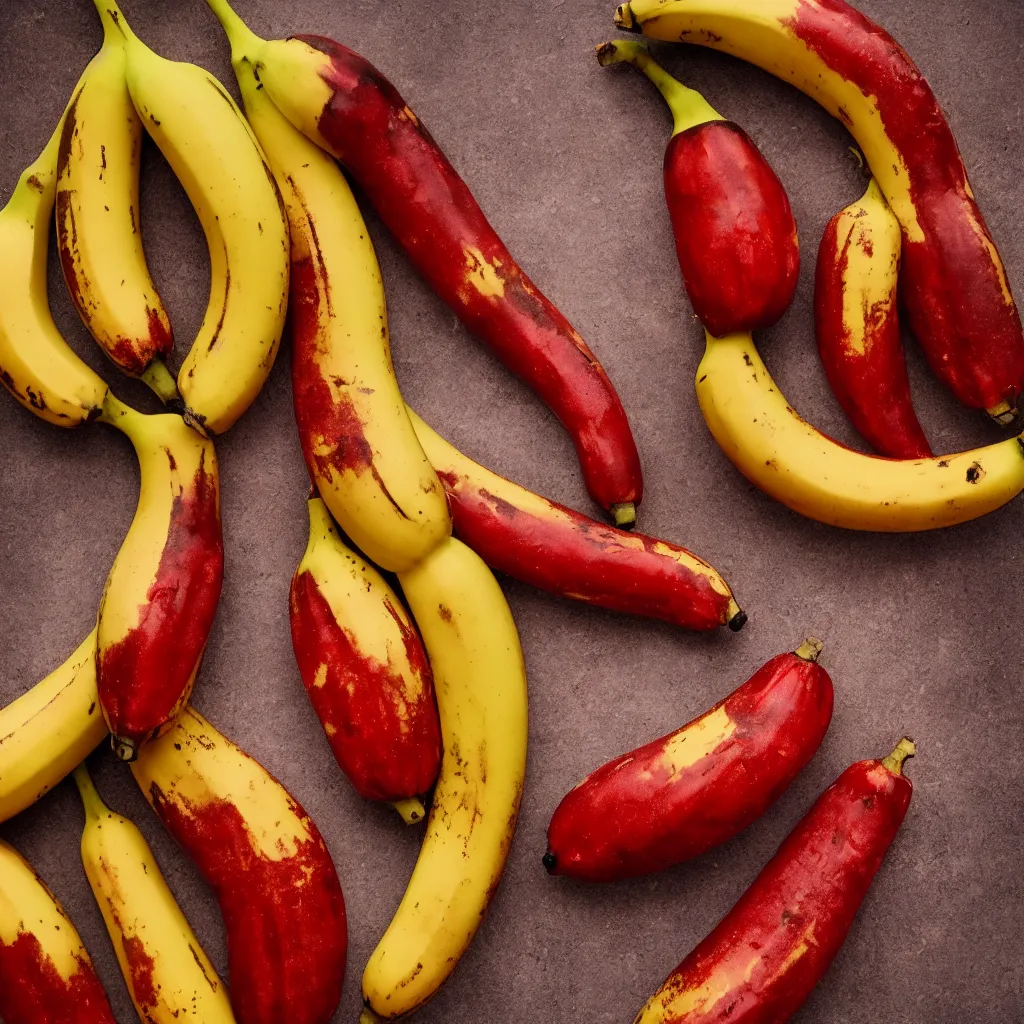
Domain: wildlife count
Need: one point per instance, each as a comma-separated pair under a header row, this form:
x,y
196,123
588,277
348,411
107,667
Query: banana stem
x,y
624,515
411,809
369,1017
810,649
894,761
688,107
114,21
159,379
93,803
242,39
122,417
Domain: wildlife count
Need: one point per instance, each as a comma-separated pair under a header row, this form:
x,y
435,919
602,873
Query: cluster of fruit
x,y
428,691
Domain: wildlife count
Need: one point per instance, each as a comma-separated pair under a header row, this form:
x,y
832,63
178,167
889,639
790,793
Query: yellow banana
x,y
36,364
44,967
49,729
770,444
268,866
168,974
98,235
161,595
358,442
219,163
481,693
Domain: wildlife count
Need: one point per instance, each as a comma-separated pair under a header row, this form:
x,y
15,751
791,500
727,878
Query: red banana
x,y
556,549
361,119
363,665
695,788
765,956
267,864
735,234
857,325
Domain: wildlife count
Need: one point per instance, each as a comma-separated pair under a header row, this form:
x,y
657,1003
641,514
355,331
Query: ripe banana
x,y
267,864
46,975
48,730
36,364
481,693
786,457
213,152
359,445
162,592
98,234
168,974
364,668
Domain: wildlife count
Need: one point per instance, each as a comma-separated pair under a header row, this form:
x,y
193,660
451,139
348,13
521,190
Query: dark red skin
x,y
362,700
285,920
734,229
33,992
618,823
820,875
585,560
972,338
142,679
434,217
873,388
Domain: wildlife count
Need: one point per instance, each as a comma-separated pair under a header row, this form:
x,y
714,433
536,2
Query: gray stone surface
x,y
922,633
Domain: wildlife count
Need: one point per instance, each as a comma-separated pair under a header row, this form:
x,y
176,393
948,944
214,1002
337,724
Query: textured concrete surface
x,y
922,633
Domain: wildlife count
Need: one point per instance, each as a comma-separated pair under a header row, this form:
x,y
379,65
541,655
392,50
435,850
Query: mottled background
x,y
922,633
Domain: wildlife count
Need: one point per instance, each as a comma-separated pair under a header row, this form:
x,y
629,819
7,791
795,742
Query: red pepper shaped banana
x,y
267,864
695,788
956,290
162,592
734,229
556,549
46,976
857,325
363,665
345,105
765,956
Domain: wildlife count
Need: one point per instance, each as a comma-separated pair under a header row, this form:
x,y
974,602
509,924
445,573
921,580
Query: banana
x,y
365,671
267,864
770,444
219,163
162,592
46,975
359,444
36,364
48,730
168,974
98,234
481,693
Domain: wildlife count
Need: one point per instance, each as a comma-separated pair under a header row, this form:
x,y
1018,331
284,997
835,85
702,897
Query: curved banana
x,y
365,671
36,364
786,457
98,234
481,693
359,444
45,971
267,864
219,163
162,592
168,974
49,729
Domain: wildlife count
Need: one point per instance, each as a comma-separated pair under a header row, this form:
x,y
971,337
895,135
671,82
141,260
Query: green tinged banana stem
x,y
114,23
411,809
688,107
810,649
159,378
894,761
369,1017
122,417
93,803
242,39
624,515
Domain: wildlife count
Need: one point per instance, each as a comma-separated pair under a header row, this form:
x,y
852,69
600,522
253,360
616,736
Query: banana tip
x,y
125,749
738,621
625,20
550,862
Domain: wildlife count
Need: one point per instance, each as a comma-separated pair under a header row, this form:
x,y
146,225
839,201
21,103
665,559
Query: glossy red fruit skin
x,y
734,228
571,555
780,937
956,291
389,747
434,217
634,815
872,386
33,992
